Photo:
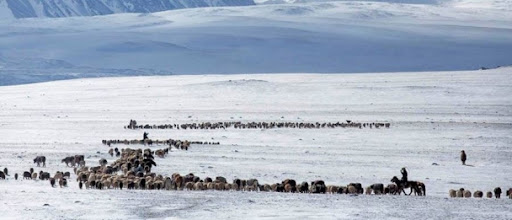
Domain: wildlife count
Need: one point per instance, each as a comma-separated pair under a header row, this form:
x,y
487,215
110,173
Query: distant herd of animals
x,y
178,144
133,168
260,125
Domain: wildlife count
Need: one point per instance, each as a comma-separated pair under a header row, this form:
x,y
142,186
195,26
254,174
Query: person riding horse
x,y
404,179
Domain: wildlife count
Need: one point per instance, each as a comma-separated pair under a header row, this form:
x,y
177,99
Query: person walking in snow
x,y
145,136
463,157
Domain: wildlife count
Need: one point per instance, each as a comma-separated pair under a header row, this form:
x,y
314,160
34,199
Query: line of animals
x,y
60,177
260,125
136,165
464,193
136,168
178,144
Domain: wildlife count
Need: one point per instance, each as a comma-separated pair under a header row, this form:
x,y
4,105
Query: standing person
x,y
463,157
145,136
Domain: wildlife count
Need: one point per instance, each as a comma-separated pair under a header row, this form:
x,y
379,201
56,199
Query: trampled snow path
x,y
434,115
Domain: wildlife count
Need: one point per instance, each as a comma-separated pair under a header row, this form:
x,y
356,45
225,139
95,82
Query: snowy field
x,y
310,37
433,116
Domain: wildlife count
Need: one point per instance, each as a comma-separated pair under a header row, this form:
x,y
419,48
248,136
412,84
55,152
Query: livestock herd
x,y
133,167
464,193
260,125
178,144
133,171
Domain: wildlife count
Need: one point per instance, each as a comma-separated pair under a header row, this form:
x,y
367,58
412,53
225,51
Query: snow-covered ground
x,y
330,36
433,116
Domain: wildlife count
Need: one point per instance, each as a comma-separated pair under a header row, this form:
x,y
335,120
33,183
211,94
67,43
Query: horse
x,y
418,187
40,159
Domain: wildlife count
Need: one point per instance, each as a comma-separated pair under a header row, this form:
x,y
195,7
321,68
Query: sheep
x,y
368,190
6,171
304,187
266,188
460,193
2,175
221,179
27,175
391,189
80,184
210,186
198,186
52,182
168,184
351,189
288,188
34,176
104,184
252,185
58,175
478,194
497,192
103,162
358,186
377,188
467,194
189,185
44,176
159,184
277,187
489,195
318,186
453,193
342,190
16,176
219,186
292,183
508,192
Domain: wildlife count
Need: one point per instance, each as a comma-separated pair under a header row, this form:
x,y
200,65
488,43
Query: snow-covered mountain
x,y
68,8
320,37
316,1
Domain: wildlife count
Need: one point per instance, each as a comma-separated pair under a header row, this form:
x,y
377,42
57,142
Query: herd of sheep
x,y
464,193
133,171
260,125
178,144
132,168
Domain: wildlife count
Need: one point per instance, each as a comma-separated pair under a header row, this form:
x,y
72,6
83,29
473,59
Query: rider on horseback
x,y
404,179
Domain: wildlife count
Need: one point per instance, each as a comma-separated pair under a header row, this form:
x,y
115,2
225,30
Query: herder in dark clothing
x,y
463,157
404,179
145,136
